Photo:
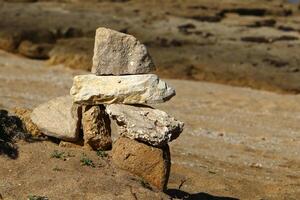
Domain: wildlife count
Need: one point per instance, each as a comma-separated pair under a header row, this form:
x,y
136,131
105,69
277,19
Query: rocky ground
x,y
247,43
238,143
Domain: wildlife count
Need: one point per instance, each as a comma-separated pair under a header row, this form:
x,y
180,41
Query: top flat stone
x,y
117,53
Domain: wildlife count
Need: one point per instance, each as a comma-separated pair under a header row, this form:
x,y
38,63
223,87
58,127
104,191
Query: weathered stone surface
x,y
145,124
29,126
118,53
128,89
96,128
151,163
58,118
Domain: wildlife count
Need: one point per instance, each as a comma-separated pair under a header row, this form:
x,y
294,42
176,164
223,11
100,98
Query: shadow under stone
x,y
179,194
12,130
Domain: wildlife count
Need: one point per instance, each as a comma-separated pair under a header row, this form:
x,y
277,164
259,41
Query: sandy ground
x,y
238,142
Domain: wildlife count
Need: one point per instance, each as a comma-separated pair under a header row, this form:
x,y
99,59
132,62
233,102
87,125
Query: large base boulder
x,y
150,163
96,128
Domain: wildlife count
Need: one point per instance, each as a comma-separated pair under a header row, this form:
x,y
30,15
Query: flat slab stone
x,y
145,124
117,53
128,89
58,118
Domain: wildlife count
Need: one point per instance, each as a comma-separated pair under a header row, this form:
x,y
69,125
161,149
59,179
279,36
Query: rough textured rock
x,y
96,127
29,126
145,124
118,53
150,163
130,89
58,118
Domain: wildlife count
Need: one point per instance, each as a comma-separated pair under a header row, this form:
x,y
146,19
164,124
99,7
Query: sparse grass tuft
x,y
57,169
86,161
57,154
35,197
101,153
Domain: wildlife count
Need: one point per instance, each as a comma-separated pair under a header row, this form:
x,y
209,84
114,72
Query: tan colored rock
x,y
58,118
96,128
9,40
118,53
150,163
128,89
32,50
145,124
24,115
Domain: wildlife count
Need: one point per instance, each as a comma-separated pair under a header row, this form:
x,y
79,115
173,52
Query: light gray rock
x,y
96,128
145,124
128,89
58,118
117,53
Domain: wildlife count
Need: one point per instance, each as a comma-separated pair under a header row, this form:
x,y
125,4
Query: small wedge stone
x,y
96,128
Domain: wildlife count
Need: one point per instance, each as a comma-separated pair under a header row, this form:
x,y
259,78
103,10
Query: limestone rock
x,y
58,118
150,163
96,127
145,124
128,89
118,53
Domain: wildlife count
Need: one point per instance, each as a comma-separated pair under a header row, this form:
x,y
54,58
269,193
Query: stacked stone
x,y
121,82
119,88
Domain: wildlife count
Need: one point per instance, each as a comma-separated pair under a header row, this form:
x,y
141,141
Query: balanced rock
x,y
96,128
145,124
58,118
128,89
150,163
117,53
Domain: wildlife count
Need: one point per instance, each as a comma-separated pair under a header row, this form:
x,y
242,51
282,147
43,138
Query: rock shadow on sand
x,y
180,194
12,130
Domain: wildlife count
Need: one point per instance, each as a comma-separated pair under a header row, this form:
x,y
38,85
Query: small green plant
x,y
57,169
35,197
86,161
101,153
57,154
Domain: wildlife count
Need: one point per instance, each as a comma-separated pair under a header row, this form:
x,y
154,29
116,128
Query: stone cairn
x,y
119,89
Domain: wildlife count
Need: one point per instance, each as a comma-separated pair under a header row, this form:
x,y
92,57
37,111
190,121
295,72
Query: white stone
x,y
145,124
129,89
58,118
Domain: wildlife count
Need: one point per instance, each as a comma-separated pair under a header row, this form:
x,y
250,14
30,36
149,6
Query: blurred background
x,y
253,43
